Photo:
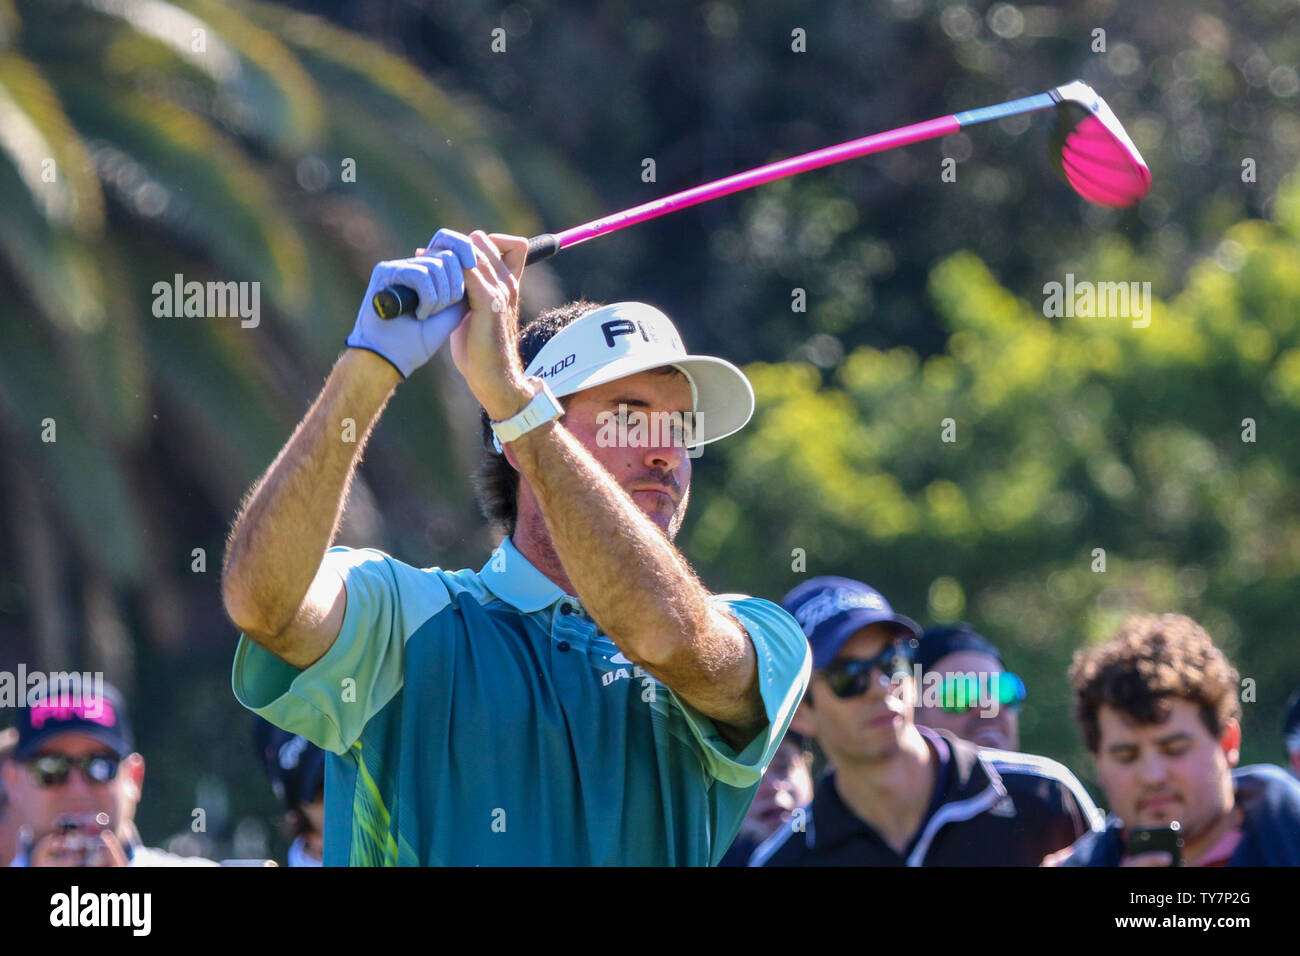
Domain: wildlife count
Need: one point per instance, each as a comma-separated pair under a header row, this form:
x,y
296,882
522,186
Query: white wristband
x,y
544,407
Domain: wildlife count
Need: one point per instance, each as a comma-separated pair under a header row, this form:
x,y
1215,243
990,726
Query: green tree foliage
x,y
231,143
1171,447
244,144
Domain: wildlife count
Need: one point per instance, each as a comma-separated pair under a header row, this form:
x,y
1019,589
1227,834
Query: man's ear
x,y
803,722
133,767
1230,741
1295,762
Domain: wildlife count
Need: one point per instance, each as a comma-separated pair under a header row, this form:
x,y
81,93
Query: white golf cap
x,y
619,340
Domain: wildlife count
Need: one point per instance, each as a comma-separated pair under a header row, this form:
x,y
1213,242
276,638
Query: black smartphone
x,y
1152,839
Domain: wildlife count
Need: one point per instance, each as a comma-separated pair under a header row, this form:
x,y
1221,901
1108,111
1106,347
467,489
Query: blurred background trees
x,y
924,302
145,140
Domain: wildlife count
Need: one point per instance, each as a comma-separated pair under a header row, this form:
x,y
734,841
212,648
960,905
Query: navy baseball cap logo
x,y
833,601
832,609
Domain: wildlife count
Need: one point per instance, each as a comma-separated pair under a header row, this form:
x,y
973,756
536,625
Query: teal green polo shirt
x,y
483,719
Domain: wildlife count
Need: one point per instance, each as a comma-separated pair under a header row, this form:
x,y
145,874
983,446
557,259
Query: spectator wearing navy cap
x,y
1291,732
974,696
898,794
74,783
296,768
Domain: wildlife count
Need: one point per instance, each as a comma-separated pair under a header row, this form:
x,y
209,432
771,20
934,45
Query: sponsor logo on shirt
x,y
623,673
624,669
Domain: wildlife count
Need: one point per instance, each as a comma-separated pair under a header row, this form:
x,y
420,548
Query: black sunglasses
x,y
52,770
851,677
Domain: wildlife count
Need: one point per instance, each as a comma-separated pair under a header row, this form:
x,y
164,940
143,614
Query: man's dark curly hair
x,y
496,484
1150,661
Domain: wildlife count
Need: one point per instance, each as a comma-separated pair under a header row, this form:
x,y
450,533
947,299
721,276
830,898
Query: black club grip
x,y
398,300
542,247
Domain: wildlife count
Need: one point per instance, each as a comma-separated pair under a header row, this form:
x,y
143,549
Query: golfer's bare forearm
x,y
289,519
635,584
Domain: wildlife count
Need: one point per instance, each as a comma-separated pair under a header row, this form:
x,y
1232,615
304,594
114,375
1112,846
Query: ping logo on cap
x,y
623,339
651,329
621,327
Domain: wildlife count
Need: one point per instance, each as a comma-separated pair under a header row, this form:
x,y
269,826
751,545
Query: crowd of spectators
x,y
904,751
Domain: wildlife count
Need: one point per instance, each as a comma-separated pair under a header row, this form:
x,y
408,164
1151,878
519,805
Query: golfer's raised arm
x,y
637,587
273,585
628,575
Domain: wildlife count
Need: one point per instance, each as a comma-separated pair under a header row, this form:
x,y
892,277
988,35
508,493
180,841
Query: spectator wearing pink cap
x,y
74,783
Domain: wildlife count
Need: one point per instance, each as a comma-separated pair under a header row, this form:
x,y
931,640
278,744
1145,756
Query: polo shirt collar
x,y
833,820
514,579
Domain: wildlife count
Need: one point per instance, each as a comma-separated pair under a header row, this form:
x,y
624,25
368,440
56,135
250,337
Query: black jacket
x,y
991,808
1269,798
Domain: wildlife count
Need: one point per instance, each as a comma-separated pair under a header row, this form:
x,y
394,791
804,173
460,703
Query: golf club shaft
x,y
548,244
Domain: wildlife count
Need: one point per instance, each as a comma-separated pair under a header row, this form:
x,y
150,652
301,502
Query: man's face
x,y
787,784
39,807
1174,770
869,727
652,465
978,724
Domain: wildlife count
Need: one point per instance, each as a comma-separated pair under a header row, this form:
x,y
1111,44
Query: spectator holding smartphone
x,y
1159,712
74,783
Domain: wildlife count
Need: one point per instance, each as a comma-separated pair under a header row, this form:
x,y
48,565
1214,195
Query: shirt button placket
x,y
567,667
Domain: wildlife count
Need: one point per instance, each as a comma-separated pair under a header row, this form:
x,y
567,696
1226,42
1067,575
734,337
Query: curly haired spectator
x,y
1158,708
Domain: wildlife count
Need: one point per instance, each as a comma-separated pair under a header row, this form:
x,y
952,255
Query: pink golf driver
x,y
1090,148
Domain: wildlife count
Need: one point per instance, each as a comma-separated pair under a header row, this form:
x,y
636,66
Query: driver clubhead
x,y
1093,153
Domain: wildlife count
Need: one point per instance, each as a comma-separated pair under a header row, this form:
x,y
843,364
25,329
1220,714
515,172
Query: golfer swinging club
x,y
582,699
